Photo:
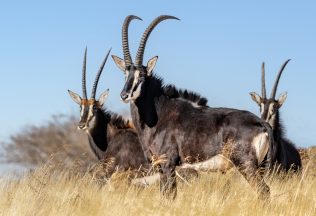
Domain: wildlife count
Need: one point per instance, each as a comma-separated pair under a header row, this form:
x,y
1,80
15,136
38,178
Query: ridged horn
x,y
126,52
95,84
263,82
276,83
84,68
142,44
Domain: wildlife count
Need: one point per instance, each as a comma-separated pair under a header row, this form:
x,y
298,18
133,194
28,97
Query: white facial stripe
x,y
262,108
81,115
82,110
90,115
136,78
271,115
271,109
134,95
126,75
137,74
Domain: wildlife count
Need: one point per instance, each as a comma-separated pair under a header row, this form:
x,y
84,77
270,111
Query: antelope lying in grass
x,y
110,136
212,138
287,156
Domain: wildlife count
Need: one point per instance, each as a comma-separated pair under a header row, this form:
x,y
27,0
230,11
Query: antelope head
x,y
269,106
89,108
136,73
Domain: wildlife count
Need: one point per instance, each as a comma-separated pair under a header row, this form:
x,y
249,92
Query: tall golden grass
x,y
62,187
52,191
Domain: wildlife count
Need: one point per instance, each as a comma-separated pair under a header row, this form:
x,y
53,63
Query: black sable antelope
x,y
109,135
287,156
195,136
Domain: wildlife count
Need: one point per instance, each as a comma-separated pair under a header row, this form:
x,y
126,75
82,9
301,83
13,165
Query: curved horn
x,y
276,83
127,55
84,67
95,84
263,82
142,44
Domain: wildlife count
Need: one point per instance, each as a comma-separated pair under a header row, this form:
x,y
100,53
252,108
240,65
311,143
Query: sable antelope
x,y
287,156
196,136
110,136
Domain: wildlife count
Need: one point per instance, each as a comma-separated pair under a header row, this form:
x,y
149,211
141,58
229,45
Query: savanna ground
x,y
50,191
58,187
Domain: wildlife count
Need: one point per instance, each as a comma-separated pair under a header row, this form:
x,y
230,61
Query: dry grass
x,y
49,191
62,187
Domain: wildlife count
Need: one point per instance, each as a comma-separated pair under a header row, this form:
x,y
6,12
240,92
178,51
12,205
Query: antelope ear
x,y
120,63
103,97
282,99
75,97
151,64
256,98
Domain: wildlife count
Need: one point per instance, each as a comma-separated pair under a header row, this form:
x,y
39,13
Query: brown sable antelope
x,y
195,136
110,136
287,156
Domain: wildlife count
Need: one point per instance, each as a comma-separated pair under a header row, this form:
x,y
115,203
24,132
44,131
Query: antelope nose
x,y
124,95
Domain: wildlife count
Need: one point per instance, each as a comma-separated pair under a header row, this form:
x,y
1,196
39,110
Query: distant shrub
x,y
57,140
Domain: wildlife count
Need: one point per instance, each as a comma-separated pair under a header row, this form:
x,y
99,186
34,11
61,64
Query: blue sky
x,y
216,49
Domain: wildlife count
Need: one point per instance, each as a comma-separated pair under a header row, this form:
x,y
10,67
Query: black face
x,y
268,109
88,113
134,79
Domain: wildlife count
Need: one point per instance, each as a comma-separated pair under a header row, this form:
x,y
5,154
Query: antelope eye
x,y
94,107
273,109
